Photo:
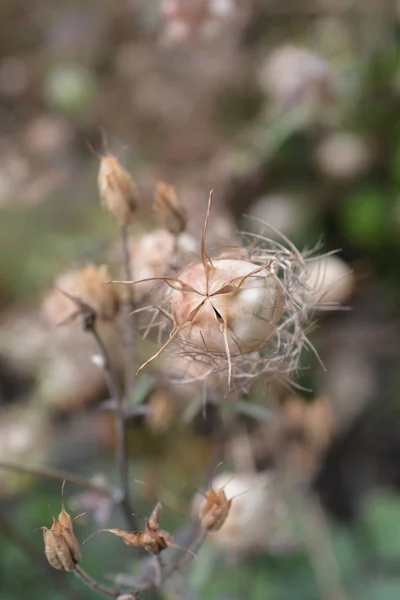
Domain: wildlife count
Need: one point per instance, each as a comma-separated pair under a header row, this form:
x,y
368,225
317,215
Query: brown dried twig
x,y
51,473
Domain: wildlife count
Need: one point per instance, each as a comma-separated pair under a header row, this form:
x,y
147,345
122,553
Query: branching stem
x,y
122,495
50,473
93,584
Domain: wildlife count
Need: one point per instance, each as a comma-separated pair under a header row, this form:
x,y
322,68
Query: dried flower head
x,y
117,189
88,287
61,546
214,509
152,539
237,316
167,203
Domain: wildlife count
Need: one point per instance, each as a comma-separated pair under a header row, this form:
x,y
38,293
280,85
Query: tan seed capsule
x,y
63,551
51,550
117,189
60,543
168,204
214,509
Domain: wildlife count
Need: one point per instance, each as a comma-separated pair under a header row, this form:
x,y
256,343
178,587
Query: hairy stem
x,y
50,473
93,584
122,495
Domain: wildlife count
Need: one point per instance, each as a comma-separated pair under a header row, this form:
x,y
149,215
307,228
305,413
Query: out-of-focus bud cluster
x,y
293,75
87,286
343,156
155,253
329,282
191,20
308,428
24,436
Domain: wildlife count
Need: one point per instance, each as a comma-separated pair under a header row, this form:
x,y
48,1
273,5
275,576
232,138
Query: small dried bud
x,y
117,189
88,287
160,412
292,75
214,509
167,204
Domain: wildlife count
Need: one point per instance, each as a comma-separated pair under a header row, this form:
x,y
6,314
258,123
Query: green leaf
x,y
253,410
144,385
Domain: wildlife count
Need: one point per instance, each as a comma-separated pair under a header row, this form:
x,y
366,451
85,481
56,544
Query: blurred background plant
x,y
289,111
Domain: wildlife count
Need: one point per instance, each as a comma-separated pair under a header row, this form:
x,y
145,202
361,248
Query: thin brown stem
x,y
50,473
158,571
195,547
93,584
122,495
130,331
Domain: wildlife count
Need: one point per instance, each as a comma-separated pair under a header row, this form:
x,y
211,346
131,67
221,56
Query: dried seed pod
x,y
57,550
117,189
64,525
215,509
243,317
50,549
152,539
228,306
167,203
61,546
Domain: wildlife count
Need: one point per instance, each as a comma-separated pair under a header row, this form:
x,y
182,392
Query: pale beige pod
x,y
228,303
329,282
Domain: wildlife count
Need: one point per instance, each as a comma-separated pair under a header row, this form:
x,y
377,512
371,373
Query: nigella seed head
x,y
242,315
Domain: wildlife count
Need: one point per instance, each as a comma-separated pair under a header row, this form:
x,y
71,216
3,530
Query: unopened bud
x,y
117,189
167,203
